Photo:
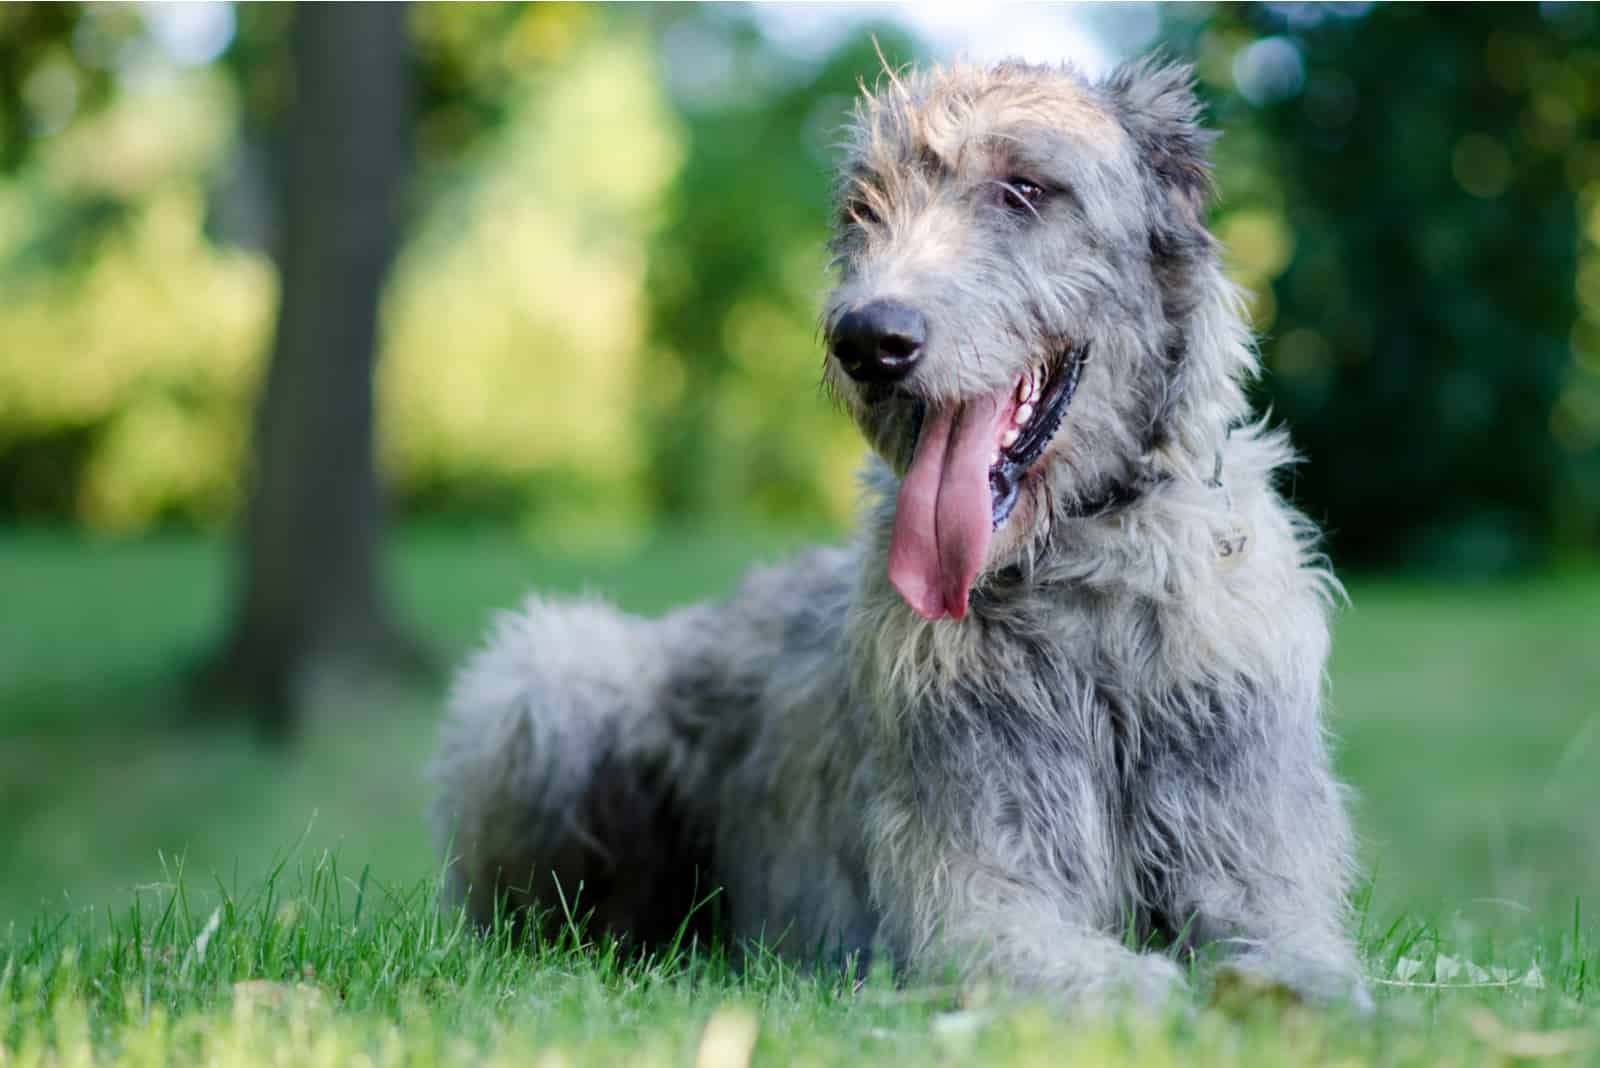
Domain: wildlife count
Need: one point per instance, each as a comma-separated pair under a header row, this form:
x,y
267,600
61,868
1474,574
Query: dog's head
x,y
1025,277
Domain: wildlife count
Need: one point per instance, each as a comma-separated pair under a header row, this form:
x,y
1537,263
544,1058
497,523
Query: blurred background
x,y
327,331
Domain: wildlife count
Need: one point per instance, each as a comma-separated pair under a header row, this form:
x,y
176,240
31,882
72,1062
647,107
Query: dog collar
x,y
1121,494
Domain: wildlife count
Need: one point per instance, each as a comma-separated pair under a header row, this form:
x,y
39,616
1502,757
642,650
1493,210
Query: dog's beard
x,y
966,469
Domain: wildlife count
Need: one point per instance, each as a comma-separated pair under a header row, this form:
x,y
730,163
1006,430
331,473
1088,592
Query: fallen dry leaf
x,y
728,1039
276,995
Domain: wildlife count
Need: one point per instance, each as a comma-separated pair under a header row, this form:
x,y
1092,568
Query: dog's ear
x,y
1156,102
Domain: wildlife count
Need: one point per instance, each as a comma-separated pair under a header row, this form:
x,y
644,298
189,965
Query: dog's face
x,y
1017,253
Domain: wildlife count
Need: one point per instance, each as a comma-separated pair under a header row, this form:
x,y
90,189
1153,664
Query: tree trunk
x,y
311,606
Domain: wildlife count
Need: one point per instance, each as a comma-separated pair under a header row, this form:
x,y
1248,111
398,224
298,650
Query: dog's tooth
x,y
1023,414
1009,438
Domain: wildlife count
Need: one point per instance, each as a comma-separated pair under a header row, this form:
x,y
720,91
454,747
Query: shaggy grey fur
x,y
1126,724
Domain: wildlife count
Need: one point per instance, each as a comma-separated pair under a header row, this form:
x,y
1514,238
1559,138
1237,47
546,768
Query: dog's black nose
x,y
880,341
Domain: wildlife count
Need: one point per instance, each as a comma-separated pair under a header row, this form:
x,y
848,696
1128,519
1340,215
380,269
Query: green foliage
x,y
321,963
604,314
1423,332
46,77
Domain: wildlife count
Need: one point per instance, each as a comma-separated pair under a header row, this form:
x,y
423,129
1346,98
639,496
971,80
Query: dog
x,y
1053,718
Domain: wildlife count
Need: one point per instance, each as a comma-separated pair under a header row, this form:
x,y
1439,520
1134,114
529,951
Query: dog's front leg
x,y
965,897
1251,855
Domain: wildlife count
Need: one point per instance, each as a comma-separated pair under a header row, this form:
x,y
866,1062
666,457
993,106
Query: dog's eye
x,y
1023,196
857,210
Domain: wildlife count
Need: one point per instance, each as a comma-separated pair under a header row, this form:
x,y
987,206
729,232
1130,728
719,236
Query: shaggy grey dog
x,y
1068,677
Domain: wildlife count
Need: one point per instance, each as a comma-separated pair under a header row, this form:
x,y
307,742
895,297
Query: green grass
x,y
317,965
1468,719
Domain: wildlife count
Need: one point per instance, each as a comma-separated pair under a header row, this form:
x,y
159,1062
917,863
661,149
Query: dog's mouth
x,y
967,469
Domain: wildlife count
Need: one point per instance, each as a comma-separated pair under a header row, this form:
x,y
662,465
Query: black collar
x,y
1120,494
1115,497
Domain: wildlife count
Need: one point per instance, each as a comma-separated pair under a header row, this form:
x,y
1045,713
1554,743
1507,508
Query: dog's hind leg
x,y
556,775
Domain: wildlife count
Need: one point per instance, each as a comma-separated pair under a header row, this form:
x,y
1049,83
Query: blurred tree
x,y
311,604
1400,186
321,104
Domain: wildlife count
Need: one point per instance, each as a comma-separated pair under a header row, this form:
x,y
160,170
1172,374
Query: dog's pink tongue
x,y
942,518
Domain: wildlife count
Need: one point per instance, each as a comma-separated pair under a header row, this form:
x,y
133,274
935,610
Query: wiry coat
x,y
1126,725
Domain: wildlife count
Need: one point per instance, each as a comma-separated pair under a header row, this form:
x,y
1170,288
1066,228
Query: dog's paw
x,y
1137,981
1141,981
1155,980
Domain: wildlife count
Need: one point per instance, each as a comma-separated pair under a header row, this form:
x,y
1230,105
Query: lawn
x,y
1468,720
